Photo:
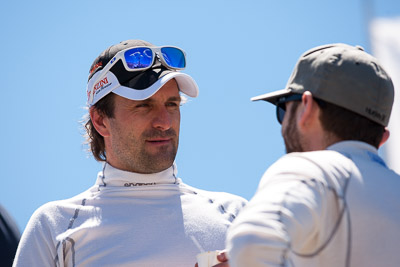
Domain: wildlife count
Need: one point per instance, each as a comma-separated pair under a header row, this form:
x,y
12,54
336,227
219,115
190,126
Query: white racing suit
x,y
129,219
332,208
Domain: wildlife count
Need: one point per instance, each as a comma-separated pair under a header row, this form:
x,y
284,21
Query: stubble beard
x,y
291,135
134,156
151,163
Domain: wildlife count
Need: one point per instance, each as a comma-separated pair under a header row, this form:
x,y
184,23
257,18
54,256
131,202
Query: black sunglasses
x,y
281,105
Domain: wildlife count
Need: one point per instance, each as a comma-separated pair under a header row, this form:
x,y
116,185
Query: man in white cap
x,y
335,203
138,213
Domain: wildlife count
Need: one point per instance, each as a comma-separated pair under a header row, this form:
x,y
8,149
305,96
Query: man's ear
x,y
100,122
385,136
308,112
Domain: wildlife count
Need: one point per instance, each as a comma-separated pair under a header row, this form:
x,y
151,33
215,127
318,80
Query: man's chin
x,y
161,161
160,165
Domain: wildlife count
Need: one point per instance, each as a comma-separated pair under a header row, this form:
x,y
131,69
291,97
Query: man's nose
x,y
162,119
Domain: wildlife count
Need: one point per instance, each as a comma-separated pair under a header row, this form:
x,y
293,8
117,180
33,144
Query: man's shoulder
x,y
318,158
321,165
52,211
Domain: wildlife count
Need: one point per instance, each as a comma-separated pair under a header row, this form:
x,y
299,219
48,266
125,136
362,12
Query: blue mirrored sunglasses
x,y
142,58
281,105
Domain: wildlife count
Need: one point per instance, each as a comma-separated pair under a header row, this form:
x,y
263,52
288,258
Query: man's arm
x,y
36,247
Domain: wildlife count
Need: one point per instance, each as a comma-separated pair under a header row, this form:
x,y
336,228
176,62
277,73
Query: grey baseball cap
x,y
343,75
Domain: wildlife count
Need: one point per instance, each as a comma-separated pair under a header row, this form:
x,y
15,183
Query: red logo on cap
x,y
96,87
100,84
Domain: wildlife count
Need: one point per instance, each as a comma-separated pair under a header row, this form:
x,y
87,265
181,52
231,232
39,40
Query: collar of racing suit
x,y
113,177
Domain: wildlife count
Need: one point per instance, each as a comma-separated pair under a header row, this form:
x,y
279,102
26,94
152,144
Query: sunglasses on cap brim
x,y
281,105
142,58
133,59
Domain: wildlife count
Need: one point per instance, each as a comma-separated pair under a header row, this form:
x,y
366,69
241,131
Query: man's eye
x,y
172,104
144,105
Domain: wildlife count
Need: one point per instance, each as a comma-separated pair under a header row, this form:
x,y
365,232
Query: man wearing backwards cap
x,y
138,213
333,201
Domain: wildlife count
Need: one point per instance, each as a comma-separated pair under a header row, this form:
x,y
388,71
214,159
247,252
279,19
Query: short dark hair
x,y
95,141
347,125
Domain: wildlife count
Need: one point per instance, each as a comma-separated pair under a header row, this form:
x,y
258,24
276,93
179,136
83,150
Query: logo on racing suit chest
x,y
137,184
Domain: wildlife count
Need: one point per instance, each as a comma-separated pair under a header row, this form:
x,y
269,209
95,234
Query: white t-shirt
x,y
331,208
129,219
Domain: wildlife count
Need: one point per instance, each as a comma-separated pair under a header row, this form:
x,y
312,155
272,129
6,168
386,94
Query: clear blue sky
x,y
235,50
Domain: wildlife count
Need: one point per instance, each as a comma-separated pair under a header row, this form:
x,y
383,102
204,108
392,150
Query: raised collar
x,y
350,145
113,177
354,149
